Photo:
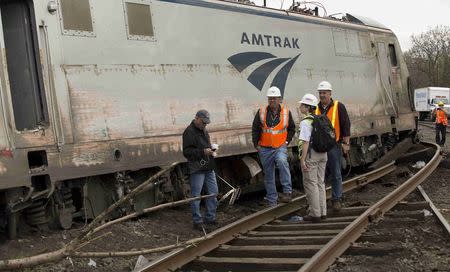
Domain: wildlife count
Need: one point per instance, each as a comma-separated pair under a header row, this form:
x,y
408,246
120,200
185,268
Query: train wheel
x,y
12,225
64,215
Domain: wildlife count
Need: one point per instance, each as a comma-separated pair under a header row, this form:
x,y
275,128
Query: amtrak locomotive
x,y
96,94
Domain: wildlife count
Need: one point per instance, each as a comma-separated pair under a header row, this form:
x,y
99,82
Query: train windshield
x,y
437,100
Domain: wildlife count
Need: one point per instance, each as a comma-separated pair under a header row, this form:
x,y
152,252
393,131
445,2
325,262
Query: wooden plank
x,y
266,251
338,218
303,226
348,211
411,206
283,240
377,238
347,219
373,250
293,233
405,214
393,154
244,264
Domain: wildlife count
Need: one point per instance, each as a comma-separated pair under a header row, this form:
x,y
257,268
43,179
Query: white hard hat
x,y
324,86
273,92
309,99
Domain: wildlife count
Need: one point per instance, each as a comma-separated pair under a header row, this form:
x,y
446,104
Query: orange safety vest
x,y
441,117
333,116
274,136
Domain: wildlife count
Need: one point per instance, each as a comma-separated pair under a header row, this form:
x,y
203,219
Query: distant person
x,y
198,152
272,130
338,116
441,124
312,163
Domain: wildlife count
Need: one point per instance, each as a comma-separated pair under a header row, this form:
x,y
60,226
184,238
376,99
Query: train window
x,y
393,55
366,47
138,17
340,41
76,17
354,48
346,43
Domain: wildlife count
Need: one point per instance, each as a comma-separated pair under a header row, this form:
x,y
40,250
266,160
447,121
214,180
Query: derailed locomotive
x,y
96,94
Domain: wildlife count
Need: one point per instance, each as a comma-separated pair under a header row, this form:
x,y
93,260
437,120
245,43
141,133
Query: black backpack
x,y
323,136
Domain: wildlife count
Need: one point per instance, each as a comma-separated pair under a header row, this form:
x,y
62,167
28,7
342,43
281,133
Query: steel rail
x,y
176,259
435,210
430,125
340,243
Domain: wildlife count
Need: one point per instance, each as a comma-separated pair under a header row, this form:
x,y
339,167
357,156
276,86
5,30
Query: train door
x,y
27,95
385,77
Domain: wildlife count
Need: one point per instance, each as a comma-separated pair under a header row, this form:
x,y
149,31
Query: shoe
x,y
267,204
199,226
313,219
323,217
337,205
285,197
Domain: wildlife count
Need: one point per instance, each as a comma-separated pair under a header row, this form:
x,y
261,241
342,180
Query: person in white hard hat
x,y
312,163
338,116
272,130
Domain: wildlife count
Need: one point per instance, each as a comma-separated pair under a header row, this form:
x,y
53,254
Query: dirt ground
x,y
168,226
161,228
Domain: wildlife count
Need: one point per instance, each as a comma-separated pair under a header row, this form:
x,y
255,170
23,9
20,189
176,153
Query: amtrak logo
x,y
259,76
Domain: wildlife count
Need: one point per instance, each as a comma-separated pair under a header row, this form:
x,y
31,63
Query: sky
x,y
403,17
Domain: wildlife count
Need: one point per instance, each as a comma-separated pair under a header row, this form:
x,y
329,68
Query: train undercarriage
x,y
56,205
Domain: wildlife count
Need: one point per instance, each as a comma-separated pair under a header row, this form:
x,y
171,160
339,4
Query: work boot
x,y
285,197
323,217
337,205
312,219
266,204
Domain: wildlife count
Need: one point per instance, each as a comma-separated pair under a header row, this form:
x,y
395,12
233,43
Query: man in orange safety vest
x,y
272,130
441,124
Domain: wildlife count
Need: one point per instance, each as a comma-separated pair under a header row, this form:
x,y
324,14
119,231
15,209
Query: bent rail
x,y
339,244
176,259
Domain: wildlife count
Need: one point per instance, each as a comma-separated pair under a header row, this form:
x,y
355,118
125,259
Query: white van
x,y
426,100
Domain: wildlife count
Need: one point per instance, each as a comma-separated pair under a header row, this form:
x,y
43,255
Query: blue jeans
x,y
334,172
269,157
197,180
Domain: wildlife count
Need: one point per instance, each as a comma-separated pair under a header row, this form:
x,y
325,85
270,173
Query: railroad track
x,y
263,242
412,229
430,125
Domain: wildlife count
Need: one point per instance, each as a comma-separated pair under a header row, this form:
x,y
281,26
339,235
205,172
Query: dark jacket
x,y
195,141
344,120
257,126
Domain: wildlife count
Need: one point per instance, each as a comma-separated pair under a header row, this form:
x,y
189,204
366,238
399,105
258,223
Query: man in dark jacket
x,y
198,152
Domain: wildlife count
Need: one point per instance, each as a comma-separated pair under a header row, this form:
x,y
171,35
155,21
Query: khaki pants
x,y
314,184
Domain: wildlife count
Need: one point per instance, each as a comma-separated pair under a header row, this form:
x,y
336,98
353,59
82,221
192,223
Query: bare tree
x,y
428,59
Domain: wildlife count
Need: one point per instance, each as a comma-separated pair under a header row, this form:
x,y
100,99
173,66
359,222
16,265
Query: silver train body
x,y
96,94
